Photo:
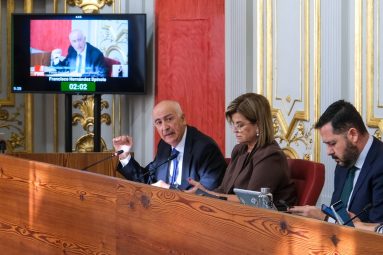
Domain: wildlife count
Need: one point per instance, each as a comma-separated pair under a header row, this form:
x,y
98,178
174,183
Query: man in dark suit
x,y
83,58
183,152
359,171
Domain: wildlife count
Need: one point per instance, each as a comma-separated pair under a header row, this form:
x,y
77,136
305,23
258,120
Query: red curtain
x,y
190,61
48,35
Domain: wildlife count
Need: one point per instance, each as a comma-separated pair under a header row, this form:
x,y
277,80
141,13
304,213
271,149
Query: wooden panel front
x,y
77,160
46,209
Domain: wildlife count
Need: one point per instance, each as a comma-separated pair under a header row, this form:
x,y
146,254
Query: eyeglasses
x,y
167,120
239,126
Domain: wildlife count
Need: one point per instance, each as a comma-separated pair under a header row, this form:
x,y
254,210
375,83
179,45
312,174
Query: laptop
x,y
250,197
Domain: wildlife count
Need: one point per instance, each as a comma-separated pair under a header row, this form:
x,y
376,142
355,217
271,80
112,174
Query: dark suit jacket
x,y
368,188
266,168
94,63
202,161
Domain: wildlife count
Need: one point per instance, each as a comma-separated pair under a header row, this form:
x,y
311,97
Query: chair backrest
x,y
309,179
109,63
41,58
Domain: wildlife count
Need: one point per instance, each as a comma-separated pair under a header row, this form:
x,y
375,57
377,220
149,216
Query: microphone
x,y
117,153
283,203
364,210
3,146
151,170
101,160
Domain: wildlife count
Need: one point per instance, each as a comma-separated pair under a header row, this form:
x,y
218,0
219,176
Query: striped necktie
x,y
173,178
79,63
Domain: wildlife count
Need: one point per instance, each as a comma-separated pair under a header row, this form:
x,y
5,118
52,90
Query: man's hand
x,y
161,184
361,225
124,143
308,211
56,56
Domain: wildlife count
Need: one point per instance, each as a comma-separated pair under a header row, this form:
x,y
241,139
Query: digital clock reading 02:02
x,y
82,86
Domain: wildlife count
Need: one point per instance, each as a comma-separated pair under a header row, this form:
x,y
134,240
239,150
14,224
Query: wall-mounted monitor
x,y
79,53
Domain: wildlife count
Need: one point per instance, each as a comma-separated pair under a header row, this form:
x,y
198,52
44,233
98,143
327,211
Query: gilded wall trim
x,y
86,120
358,56
373,81
317,75
55,123
12,123
269,50
294,131
9,100
28,101
28,6
90,6
290,153
372,120
260,47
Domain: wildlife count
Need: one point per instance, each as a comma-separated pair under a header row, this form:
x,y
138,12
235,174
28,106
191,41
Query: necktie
x,y
79,63
173,178
348,185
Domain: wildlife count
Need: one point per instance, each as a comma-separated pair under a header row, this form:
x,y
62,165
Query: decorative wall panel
x,y
288,85
374,66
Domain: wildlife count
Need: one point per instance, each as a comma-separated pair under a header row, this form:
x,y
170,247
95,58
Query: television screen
x,y
78,53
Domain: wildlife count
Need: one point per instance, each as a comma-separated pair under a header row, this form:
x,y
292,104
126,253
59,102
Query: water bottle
x,y
266,199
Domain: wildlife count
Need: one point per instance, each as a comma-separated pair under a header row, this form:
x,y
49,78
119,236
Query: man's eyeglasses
x,y
167,120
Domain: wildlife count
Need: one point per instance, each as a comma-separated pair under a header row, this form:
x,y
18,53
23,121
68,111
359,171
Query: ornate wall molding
x,y
90,6
288,59
317,74
358,55
260,47
86,120
301,136
374,71
7,98
12,123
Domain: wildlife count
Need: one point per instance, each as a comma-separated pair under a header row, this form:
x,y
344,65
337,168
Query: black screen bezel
x,y
135,83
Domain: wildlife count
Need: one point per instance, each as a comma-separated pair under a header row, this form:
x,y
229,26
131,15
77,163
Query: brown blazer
x,y
267,167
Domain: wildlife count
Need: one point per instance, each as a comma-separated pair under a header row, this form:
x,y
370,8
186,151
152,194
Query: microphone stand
x,y
101,160
368,206
151,170
150,174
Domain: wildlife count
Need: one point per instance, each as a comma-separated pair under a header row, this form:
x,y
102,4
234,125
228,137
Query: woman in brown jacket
x,y
257,160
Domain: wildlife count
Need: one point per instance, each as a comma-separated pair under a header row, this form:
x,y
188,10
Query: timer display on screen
x,y
80,86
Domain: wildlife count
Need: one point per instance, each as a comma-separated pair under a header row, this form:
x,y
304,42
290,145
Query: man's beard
x,y
350,155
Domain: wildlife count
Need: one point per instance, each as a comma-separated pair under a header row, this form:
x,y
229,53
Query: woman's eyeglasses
x,y
239,126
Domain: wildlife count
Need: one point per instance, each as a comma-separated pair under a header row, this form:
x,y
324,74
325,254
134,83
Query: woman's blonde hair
x,y
256,109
